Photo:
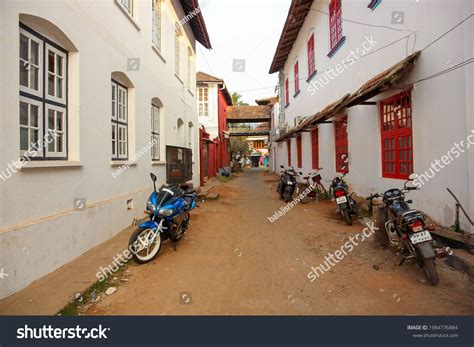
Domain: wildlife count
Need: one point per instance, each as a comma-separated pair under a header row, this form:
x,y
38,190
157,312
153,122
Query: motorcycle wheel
x,y
287,194
300,189
430,271
146,254
347,216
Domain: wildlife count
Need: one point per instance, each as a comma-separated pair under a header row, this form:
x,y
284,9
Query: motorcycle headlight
x,y
150,207
166,212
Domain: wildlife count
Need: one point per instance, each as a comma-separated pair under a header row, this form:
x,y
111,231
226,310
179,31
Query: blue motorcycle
x,y
168,209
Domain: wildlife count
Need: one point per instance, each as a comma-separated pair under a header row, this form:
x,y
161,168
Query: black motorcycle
x,y
407,228
287,185
346,205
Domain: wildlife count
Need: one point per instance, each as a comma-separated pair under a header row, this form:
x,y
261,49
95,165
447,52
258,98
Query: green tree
x,y
236,100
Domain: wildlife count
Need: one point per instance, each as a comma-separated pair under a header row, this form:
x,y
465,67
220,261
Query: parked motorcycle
x,y
168,209
287,185
346,205
407,227
313,181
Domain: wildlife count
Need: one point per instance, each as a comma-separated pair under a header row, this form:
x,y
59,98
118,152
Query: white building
x,y
329,49
105,78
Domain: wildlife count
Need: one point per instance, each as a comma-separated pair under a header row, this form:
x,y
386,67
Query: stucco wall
x,y
39,230
442,107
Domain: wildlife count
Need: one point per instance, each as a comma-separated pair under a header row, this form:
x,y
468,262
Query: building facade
x,y
96,93
213,99
377,89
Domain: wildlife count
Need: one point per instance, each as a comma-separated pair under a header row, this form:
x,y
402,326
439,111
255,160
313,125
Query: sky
x,y
243,29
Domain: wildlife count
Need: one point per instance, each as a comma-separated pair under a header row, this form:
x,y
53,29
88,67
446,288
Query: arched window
x,y
156,125
120,116
43,109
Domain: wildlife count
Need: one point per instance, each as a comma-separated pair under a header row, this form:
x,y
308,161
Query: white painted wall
x,y
36,204
211,122
442,107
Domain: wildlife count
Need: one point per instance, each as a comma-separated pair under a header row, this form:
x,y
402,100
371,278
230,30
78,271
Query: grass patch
x,y
74,307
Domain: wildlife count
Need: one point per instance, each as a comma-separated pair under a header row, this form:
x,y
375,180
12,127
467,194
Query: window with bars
x,y
119,121
342,145
203,104
288,148
335,22
397,136
311,56
315,148
287,92
156,24
43,101
297,78
155,133
299,151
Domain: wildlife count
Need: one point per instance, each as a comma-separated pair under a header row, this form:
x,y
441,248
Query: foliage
x,y
236,100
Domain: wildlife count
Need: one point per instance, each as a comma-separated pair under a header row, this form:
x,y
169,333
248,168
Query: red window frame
x,y
335,22
311,58
297,76
288,148
315,148
342,145
287,92
299,151
397,136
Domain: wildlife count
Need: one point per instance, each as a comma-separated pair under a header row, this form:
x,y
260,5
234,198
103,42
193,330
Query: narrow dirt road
x,y
235,262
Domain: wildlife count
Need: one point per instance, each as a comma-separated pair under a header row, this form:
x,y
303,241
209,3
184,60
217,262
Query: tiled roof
x,y
197,22
249,113
294,21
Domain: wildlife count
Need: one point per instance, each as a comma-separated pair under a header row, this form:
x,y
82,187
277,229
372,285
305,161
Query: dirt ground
x,y
233,261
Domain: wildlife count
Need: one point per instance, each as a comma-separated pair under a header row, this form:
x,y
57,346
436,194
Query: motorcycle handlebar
x,y
373,196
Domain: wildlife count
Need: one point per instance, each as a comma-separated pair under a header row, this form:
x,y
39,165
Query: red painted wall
x,y
223,156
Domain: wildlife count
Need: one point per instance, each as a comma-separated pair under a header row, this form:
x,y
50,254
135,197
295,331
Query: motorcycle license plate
x,y
420,237
341,200
289,183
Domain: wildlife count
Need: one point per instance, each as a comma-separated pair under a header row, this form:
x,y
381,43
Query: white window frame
x,y
57,53
40,42
54,133
155,132
156,20
203,105
41,98
40,128
119,123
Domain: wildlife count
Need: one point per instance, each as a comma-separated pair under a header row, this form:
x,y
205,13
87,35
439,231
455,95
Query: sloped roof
x,y
204,77
383,80
197,22
267,101
294,21
376,85
249,113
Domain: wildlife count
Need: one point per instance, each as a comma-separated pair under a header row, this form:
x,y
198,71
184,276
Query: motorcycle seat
x,y
190,191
